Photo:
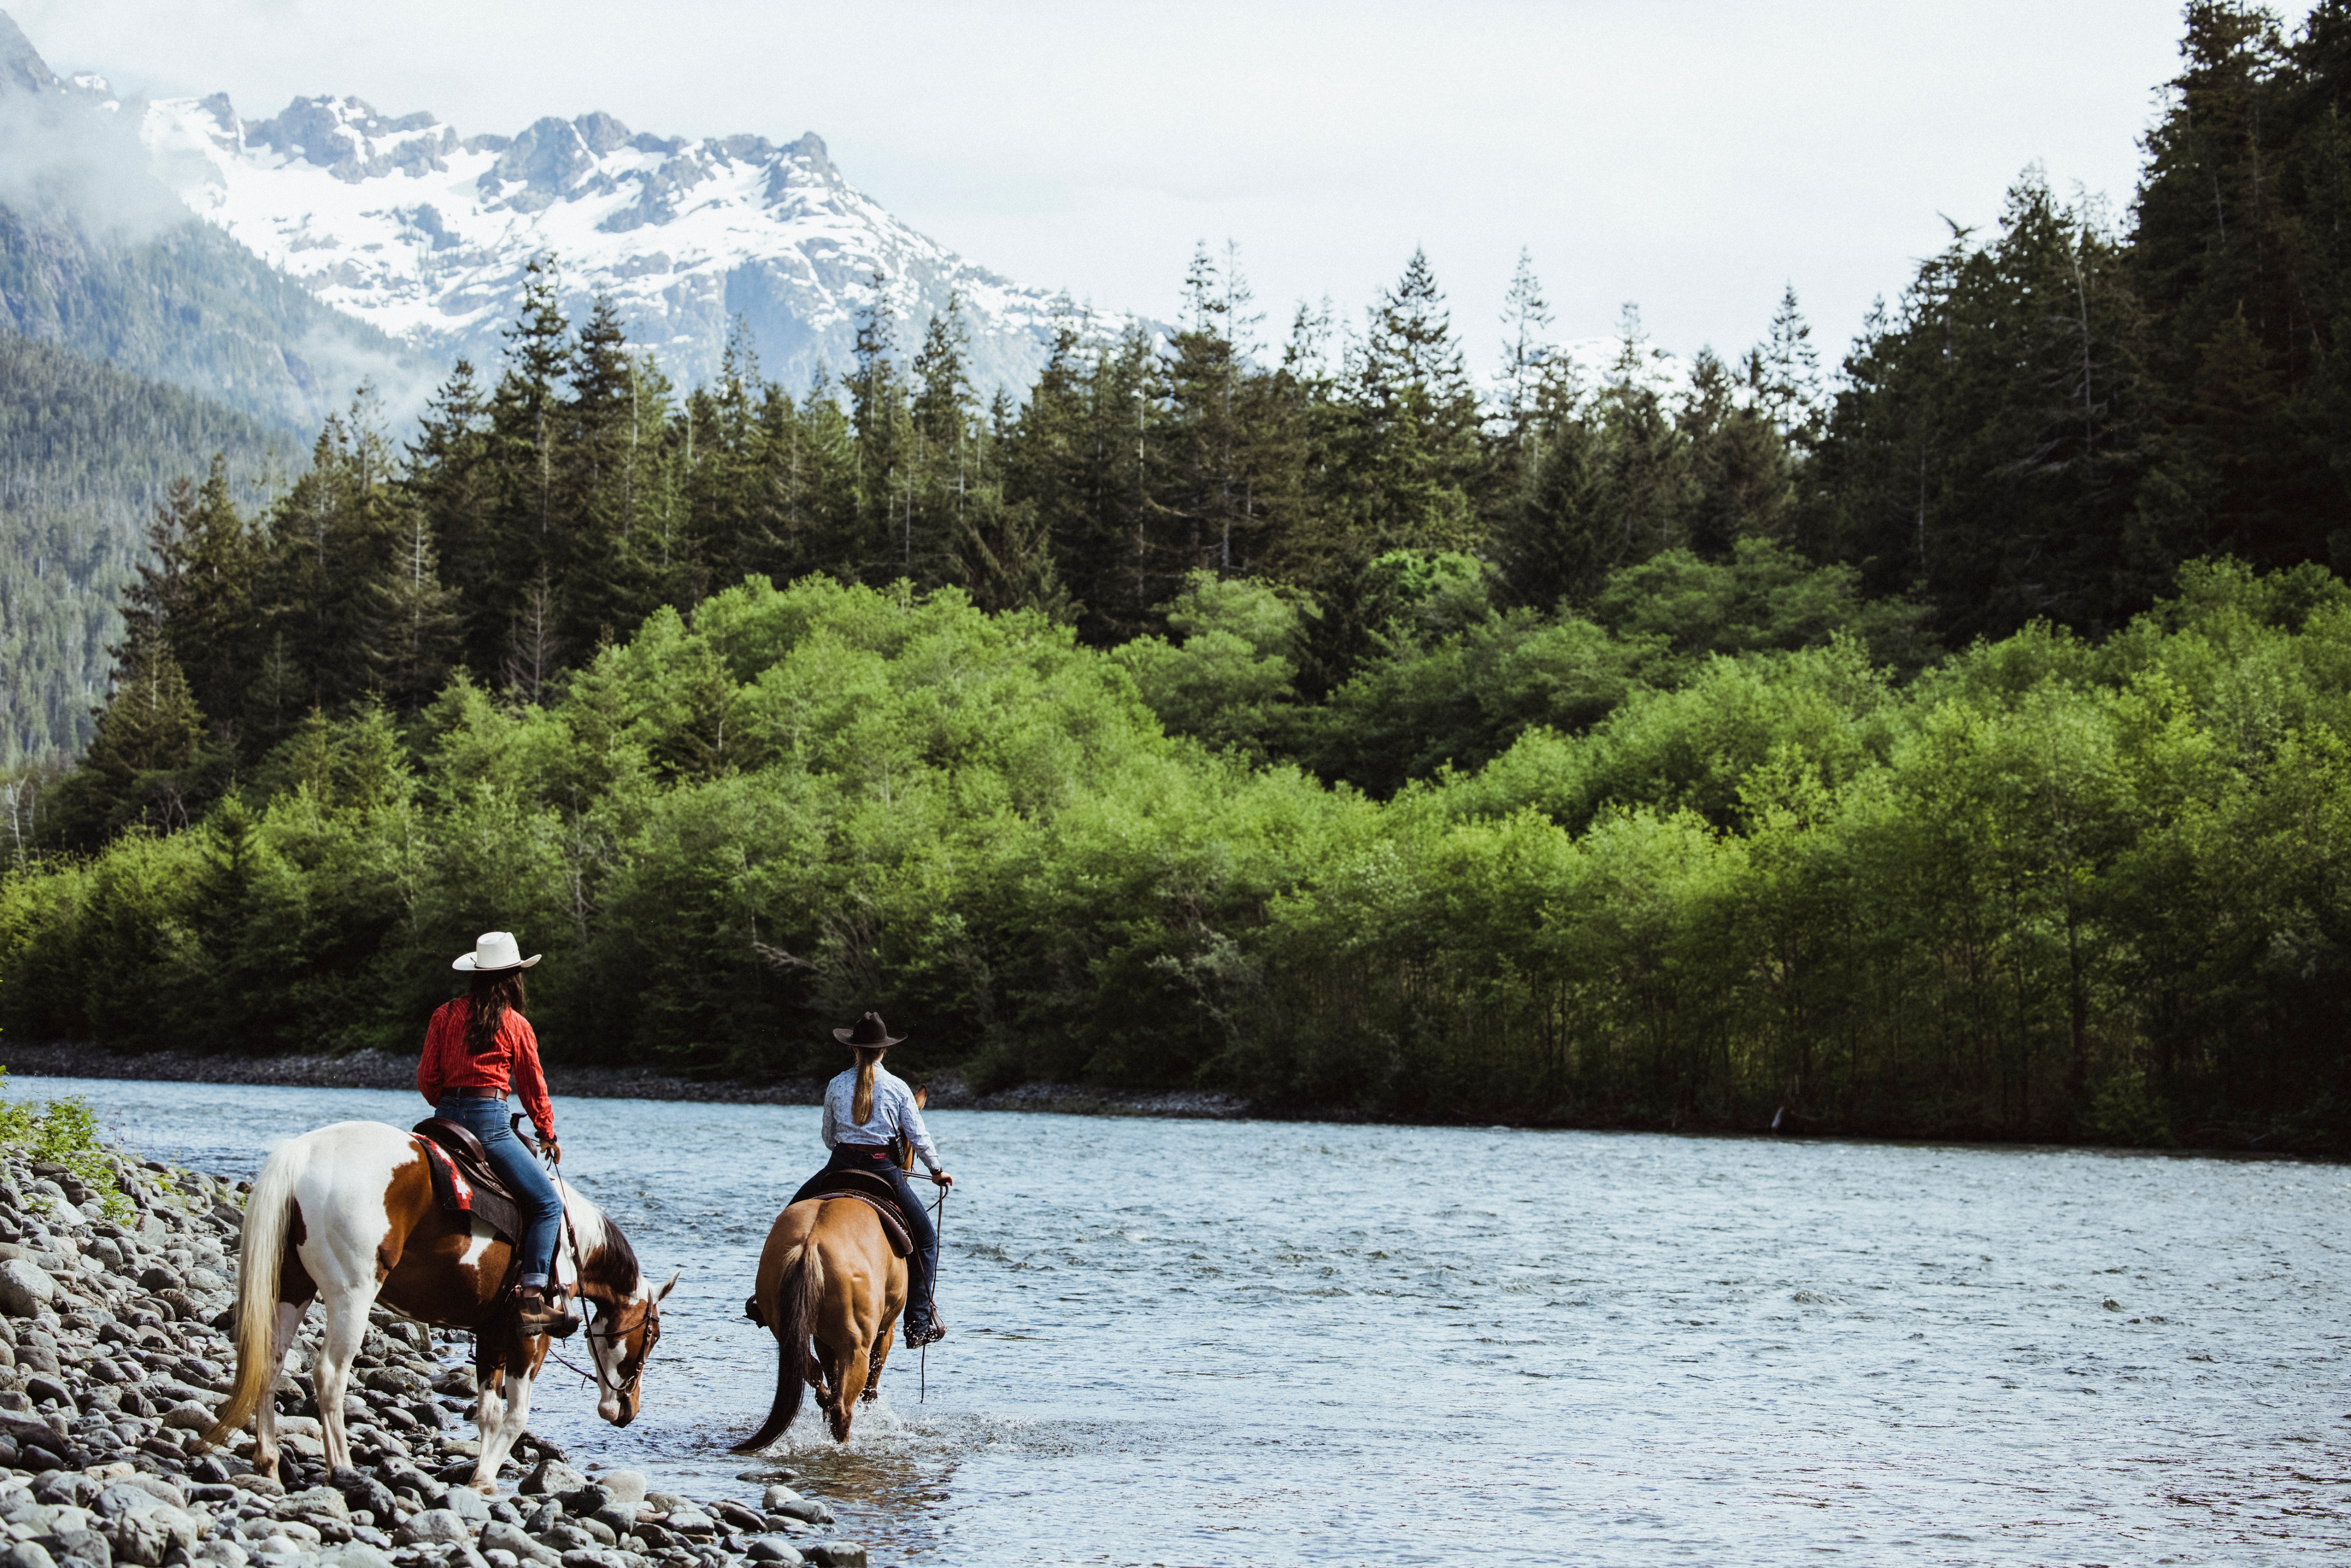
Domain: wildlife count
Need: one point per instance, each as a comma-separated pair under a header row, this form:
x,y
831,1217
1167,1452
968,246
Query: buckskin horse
x,y
827,1275
347,1215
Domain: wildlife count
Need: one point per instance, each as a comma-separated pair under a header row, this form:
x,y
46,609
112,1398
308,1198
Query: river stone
x,y
499,1536
115,1500
158,1488
145,1537
552,1478
773,1548
80,1545
433,1526
467,1504
314,1503
188,1417
353,1554
627,1487
361,1490
792,1505
26,1554
597,1557
691,1521
25,1290
834,1553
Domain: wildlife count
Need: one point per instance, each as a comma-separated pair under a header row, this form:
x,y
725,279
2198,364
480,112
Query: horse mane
x,y
611,1261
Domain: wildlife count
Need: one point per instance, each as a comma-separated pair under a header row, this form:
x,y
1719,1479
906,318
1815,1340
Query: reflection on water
x,y
1254,1342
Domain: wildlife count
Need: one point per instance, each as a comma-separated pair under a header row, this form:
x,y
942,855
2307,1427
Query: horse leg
x,y
850,1384
346,1326
265,1414
490,1409
498,1441
880,1359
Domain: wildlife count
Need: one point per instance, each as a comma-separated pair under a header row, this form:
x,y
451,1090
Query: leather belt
x,y
473,1094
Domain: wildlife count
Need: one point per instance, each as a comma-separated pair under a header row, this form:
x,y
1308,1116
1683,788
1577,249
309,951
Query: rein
x,y
611,1337
922,1356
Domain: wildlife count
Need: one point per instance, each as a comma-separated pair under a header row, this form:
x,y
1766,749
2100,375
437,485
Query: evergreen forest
x,y
1955,743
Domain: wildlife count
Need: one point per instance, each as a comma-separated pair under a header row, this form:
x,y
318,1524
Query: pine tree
x,y
1418,421
531,539
1740,471
451,486
201,589
942,459
1784,374
138,769
878,414
1527,354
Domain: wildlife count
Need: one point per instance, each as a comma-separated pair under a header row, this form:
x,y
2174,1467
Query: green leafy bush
x,y
63,1132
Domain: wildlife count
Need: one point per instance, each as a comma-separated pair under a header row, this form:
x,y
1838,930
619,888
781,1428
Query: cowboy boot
x,y
929,1329
536,1316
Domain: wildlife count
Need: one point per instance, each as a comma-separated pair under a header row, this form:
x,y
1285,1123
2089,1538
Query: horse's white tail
x,y
260,1260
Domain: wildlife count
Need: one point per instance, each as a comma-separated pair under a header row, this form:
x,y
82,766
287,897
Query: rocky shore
x,y
115,1294
383,1069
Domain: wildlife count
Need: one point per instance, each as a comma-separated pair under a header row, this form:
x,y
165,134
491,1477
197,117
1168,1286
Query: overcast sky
x,y
1692,157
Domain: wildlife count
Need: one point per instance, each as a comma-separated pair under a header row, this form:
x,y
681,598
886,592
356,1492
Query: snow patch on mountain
x,y
404,223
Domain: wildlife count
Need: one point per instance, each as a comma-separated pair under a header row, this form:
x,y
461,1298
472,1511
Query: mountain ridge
x,y
403,223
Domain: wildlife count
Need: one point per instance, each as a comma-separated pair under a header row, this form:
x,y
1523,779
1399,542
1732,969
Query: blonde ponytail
x,y
861,1104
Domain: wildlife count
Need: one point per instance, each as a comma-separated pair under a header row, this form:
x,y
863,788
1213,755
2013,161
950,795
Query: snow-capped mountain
x,y
425,233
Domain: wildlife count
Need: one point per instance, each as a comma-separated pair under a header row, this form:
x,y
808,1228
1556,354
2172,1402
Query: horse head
x,y
623,1317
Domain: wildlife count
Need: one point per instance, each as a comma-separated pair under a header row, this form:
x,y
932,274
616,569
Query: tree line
x,y
2047,888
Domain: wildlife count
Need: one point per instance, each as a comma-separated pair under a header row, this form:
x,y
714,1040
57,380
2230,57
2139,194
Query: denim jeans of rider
x,y
923,1266
542,1210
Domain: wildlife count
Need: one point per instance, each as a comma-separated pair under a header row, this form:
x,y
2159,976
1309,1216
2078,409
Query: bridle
x,y
649,1321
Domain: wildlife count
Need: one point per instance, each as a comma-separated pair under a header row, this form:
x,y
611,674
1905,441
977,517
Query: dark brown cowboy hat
x,y
869,1031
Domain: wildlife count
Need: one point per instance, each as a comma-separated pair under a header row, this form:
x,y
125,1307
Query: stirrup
x,y
931,1330
537,1314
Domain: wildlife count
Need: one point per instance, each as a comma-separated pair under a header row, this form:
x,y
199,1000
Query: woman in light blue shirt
x,y
865,1110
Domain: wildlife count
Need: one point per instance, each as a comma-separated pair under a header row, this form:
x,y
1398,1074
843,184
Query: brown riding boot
x,y
539,1315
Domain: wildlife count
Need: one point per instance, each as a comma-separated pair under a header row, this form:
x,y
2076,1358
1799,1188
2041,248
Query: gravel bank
x,y
383,1070
113,1358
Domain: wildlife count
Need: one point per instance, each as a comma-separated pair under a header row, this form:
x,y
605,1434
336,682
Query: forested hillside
x,y
1952,745
2048,889
87,451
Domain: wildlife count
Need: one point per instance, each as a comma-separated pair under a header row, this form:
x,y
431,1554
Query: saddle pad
x,y
892,1226
464,1191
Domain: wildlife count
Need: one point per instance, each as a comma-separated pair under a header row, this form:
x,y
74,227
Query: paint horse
x,y
830,1289
346,1216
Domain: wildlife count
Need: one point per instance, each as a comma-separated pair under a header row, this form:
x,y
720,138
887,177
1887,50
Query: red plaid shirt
x,y
512,1065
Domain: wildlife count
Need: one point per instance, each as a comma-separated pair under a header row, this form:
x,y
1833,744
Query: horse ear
x,y
671,1285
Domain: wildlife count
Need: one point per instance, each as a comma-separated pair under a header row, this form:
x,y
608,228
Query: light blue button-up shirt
x,y
895,1112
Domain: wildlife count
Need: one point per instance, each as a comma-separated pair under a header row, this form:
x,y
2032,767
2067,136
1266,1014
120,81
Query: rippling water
x,y
1272,1342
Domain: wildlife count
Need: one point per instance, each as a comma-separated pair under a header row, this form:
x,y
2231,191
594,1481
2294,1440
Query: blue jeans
x,y
542,1210
923,1264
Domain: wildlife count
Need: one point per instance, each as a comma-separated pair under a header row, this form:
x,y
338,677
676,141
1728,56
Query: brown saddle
x,y
463,1181
879,1193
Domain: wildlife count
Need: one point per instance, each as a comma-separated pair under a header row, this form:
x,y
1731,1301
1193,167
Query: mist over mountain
x,y
97,256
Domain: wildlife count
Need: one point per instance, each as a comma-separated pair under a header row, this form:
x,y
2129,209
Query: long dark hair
x,y
490,996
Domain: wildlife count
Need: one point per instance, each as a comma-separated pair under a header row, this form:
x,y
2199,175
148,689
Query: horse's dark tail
x,y
793,1320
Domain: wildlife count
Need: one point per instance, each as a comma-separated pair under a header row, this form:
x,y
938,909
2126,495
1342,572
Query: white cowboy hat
x,y
493,950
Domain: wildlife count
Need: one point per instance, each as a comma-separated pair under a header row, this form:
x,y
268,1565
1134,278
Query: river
x,y
1273,1342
